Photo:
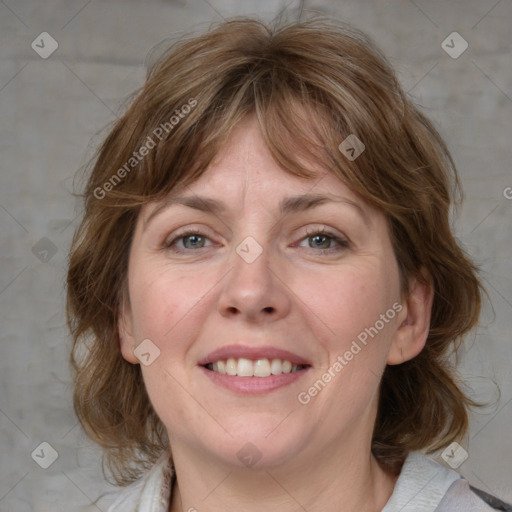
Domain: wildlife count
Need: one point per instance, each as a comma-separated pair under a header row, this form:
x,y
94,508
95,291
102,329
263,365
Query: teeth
x,y
262,368
243,367
221,367
277,367
231,366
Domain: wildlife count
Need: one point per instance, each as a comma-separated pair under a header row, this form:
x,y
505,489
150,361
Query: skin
x,y
294,296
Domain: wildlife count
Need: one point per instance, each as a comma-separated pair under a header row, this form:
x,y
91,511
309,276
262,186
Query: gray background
x,y
51,111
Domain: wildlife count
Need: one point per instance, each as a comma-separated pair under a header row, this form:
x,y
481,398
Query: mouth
x,y
247,369
243,367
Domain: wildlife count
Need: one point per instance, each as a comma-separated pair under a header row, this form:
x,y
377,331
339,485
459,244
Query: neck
x,y
337,480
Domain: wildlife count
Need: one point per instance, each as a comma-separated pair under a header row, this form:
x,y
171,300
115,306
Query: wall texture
x,y
52,105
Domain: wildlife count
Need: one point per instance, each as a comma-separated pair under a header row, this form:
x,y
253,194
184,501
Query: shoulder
x,y
125,499
151,493
425,485
493,501
463,497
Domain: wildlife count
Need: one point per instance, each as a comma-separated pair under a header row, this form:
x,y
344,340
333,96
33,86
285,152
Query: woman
x,y
268,286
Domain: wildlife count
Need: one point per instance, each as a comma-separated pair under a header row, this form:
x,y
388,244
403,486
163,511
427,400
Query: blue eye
x,y
193,241
190,240
319,240
325,241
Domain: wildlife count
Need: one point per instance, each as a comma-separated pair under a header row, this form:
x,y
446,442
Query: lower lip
x,y
253,385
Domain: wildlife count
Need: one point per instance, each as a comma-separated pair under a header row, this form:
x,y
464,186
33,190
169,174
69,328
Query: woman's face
x,y
264,308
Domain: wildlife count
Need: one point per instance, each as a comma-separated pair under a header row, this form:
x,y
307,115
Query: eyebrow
x,y
203,204
288,206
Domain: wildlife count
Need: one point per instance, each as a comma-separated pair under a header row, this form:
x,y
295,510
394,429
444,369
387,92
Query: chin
x,y
256,442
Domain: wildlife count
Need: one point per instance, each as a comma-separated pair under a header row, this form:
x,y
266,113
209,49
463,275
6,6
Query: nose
x,y
255,291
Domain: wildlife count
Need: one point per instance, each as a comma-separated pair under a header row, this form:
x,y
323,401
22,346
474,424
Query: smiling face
x,y
254,285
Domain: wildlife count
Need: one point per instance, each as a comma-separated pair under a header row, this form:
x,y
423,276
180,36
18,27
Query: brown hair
x,y
310,84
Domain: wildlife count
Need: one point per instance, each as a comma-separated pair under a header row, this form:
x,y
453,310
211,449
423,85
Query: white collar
x,y
151,493
421,485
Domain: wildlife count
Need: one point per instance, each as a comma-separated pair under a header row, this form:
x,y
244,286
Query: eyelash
x,y
342,243
171,244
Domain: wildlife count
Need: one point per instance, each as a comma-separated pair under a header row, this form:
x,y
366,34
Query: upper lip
x,y
253,353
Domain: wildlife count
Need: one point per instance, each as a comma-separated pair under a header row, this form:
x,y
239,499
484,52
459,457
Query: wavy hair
x,y
310,84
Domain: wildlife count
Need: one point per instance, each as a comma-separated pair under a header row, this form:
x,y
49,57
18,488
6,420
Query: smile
x,y
249,369
243,367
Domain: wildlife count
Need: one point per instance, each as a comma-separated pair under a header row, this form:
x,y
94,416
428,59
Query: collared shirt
x,y
422,486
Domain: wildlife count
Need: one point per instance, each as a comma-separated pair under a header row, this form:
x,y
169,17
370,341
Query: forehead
x,y
244,173
245,164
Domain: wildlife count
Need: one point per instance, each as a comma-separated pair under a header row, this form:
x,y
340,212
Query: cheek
x,y
163,300
348,301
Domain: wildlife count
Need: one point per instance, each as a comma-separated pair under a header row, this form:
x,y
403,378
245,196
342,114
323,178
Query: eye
x,y
188,240
324,240
321,240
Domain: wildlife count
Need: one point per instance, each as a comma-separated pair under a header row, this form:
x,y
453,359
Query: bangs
x,y
298,132
305,110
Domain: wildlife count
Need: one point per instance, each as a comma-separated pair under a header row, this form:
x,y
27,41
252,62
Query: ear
x,y
411,335
125,330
